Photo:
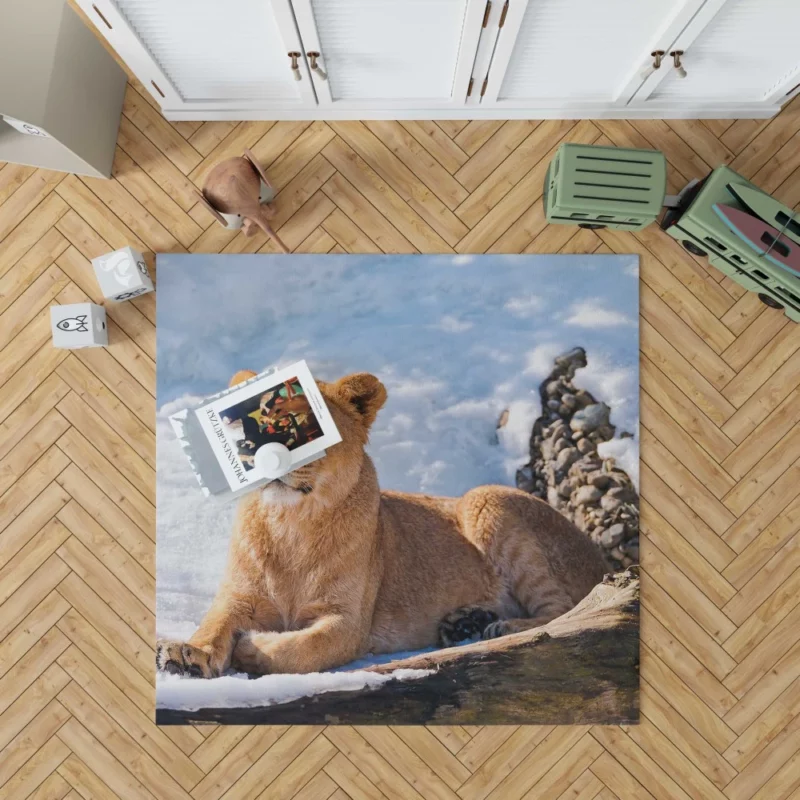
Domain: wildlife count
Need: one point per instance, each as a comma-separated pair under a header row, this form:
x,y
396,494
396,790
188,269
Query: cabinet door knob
x,y
676,60
312,57
657,55
295,66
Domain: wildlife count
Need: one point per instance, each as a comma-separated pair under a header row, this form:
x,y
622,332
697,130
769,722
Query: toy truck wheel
x,y
769,301
693,248
592,226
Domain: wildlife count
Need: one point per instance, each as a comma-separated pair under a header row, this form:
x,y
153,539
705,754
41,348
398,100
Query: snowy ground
x,y
455,339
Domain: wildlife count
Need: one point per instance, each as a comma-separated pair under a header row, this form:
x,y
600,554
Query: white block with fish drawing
x,y
78,325
122,274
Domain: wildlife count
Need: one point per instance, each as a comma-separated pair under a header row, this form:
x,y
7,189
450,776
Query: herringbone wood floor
x,y
720,483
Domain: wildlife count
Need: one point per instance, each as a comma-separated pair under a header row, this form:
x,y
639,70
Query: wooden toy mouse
x,y
237,192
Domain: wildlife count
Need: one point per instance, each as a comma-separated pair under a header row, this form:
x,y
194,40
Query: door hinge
x,y
486,13
469,87
485,84
503,15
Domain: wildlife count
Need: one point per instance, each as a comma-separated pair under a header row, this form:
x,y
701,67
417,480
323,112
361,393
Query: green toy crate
x,y
605,187
695,224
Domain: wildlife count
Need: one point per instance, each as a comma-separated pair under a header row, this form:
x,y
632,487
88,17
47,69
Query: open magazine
x,y
221,434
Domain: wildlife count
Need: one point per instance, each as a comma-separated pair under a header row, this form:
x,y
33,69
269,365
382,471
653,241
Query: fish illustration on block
x,y
78,324
763,238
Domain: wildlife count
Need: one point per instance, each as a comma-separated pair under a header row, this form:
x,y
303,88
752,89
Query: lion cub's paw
x,y
179,658
465,623
497,628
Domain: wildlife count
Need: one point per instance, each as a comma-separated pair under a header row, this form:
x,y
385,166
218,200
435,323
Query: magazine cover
x,y
283,407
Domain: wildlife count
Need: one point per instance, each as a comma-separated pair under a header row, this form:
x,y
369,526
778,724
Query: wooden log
x,y
580,669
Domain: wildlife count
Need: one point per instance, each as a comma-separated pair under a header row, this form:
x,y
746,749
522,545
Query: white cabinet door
x,y
734,52
561,53
384,54
208,54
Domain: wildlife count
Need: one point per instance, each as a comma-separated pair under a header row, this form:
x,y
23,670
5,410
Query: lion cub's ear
x,y
241,376
364,392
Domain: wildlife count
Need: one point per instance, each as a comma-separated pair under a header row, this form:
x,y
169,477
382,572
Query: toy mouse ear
x,y
257,167
214,213
241,376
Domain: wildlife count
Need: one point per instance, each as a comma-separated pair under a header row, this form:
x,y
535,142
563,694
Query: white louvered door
x,y
733,51
384,54
209,54
557,53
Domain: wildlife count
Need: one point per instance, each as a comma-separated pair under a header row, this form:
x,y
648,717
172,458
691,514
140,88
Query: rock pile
x,y
566,470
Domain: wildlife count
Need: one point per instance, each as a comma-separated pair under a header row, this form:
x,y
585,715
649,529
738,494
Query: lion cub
x,y
324,568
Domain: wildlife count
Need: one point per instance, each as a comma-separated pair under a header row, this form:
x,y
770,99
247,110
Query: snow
x,y
236,691
456,340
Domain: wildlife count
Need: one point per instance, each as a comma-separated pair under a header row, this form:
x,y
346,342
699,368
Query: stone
x,y
78,325
564,489
502,420
589,418
524,479
632,549
122,274
553,388
610,503
553,404
553,497
587,494
572,359
559,446
606,432
569,400
566,457
585,446
626,494
583,398
612,536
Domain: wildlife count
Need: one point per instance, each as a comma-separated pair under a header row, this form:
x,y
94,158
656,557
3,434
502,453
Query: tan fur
x,y
317,579
233,187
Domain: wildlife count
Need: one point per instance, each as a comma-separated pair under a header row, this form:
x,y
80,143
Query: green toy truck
x,y
614,187
696,225
605,187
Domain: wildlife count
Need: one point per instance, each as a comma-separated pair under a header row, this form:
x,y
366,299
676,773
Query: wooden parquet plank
x,y
85,783
30,267
503,761
351,782
12,176
108,587
237,762
109,480
105,767
133,753
663,719
426,168
159,131
437,143
685,593
31,738
720,441
90,424
391,746
679,550
418,220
